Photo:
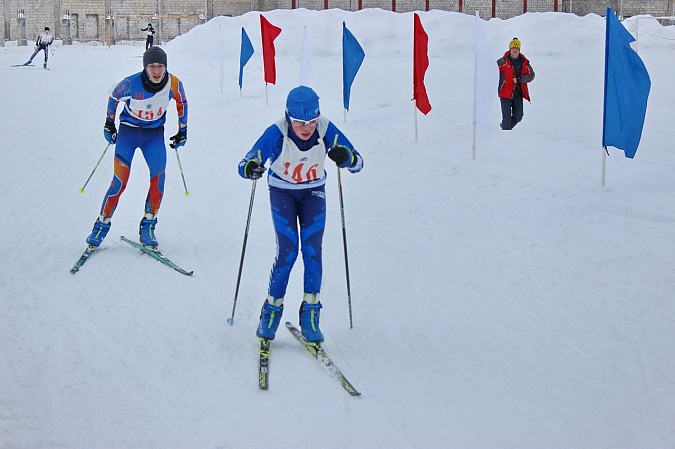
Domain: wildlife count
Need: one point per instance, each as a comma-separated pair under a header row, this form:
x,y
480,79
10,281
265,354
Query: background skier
x,y
149,40
42,42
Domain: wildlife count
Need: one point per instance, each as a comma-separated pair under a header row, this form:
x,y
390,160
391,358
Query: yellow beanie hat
x,y
515,43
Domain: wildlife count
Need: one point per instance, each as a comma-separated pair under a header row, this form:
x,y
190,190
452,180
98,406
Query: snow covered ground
x,y
504,302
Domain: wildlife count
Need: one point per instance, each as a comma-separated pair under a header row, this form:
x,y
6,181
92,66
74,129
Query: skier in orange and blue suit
x,y
146,96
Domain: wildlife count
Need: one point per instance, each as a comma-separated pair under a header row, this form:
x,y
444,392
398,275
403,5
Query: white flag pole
x,y
604,166
474,142
221,45
306,59
475,87
485,77
415,112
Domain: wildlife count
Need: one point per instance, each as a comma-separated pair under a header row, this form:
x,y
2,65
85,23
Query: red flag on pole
x,y
269,33
420,65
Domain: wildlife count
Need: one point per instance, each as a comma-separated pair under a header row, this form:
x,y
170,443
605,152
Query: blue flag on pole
x,y
246,53
352,57
627,87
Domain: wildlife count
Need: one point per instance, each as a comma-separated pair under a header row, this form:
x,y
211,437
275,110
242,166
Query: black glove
x,y
179,139
110,132
342,156
253,170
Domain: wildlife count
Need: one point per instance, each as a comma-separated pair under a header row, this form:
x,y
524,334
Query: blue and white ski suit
x,y
297,179
42,43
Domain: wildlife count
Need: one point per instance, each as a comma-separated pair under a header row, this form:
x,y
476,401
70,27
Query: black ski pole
x,y
344,244
230,320
344,237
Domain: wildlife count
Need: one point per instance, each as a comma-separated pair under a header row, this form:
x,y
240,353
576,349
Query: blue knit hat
x,y
303,103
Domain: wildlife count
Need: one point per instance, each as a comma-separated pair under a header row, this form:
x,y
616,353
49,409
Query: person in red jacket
x,y
515,72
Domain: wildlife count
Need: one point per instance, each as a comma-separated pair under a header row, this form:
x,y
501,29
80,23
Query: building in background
x,y
112,21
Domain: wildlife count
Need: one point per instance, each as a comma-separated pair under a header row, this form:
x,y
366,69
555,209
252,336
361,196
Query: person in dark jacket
x,y
515,72
150,36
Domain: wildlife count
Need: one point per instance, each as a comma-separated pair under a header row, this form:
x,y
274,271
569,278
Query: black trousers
x,y
512,112
148,42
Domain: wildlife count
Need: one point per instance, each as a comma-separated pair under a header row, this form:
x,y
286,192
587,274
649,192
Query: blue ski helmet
x,y
303,103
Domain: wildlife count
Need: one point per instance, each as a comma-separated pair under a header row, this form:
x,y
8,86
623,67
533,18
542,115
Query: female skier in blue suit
x,y
296,147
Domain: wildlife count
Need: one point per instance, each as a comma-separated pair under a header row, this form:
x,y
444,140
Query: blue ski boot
x,y
309,322
101,228
29,62
270,317
44,65
146,230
